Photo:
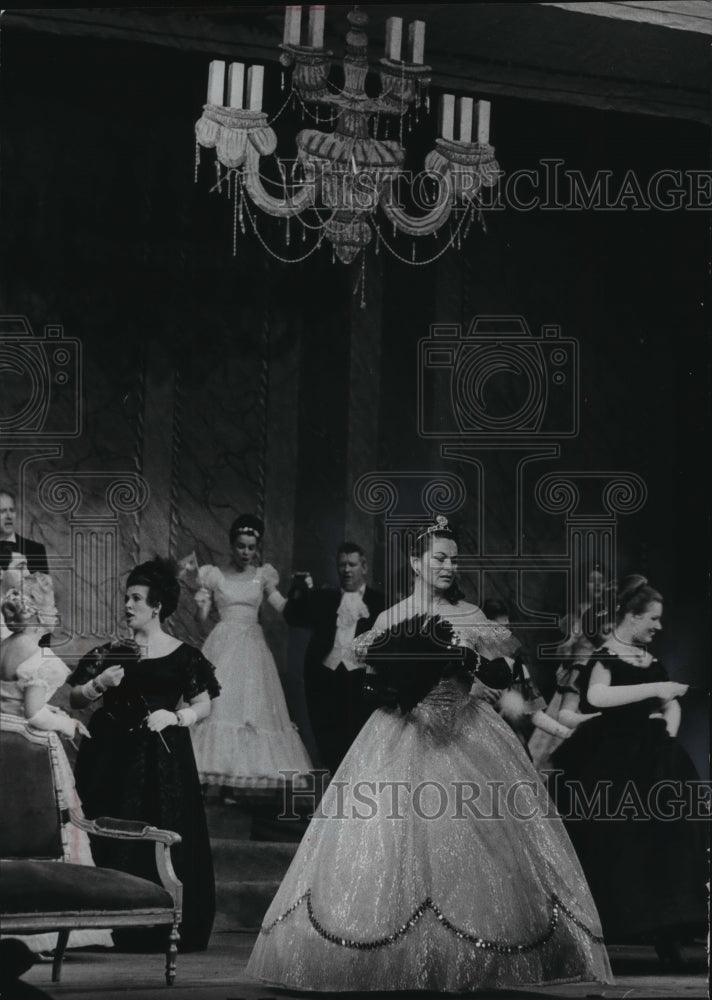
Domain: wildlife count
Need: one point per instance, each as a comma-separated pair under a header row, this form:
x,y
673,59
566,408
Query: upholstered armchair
x,y
39,890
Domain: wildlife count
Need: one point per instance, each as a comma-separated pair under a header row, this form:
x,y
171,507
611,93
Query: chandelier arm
x,y
290,204
414,225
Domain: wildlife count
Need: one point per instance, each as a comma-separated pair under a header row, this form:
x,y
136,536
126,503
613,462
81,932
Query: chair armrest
x,y
123,829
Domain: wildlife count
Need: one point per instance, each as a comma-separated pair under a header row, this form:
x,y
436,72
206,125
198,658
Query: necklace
x,y
638,656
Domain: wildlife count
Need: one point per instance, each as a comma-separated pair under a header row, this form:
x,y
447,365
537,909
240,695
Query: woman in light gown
x,y
29,677
249,739
435,861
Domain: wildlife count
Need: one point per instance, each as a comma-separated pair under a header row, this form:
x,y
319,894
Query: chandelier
x,y
345,185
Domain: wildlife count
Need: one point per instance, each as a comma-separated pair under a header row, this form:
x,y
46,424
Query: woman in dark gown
x,y
139,764
643,849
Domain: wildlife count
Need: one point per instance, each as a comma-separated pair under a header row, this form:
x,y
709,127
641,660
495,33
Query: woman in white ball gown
x,y
435,861
249,740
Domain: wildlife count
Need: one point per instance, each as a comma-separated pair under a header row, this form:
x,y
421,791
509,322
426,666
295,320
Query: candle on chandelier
x,y
316,27
447,116
416,36
235,85
483,122
255,83
394,38
292,25
216,82
466,110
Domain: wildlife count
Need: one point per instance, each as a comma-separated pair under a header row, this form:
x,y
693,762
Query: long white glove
x,y
57,722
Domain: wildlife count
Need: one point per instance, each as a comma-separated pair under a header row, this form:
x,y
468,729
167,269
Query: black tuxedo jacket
x,y
34,552
317,610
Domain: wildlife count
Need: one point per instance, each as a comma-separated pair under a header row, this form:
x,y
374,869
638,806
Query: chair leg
x,y
62,939
172,954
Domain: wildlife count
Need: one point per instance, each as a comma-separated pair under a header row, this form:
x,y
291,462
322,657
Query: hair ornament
x,y
17,606
441,524
247,530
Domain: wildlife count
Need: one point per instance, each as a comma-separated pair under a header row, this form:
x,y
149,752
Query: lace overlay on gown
x,y
436,851
44,669
249,737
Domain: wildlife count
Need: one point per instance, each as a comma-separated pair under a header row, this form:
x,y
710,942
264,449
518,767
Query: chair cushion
x,y
54,887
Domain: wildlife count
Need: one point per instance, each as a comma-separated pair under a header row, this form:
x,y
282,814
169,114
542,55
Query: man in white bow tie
x,y
333,681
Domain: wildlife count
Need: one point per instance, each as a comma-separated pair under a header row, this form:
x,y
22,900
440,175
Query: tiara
x,y
439,525
247,531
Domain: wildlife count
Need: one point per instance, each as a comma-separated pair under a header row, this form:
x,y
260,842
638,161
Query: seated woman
x,y
29,677
139,765
640,845
414,874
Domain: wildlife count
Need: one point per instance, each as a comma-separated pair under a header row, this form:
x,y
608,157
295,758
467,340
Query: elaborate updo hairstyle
x,y
635,595
424,540
161,578
23,608
247,524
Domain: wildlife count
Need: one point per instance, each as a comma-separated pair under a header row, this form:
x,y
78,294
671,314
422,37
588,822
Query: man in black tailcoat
x,y
34,552
333,680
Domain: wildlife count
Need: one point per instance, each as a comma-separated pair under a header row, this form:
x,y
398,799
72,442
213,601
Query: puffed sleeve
x,y
199,676
209,577
45,671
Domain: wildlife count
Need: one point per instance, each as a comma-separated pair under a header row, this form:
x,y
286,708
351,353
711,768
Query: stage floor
x,y
219,974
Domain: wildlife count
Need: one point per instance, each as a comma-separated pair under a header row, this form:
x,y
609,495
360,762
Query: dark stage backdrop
x,y
232,384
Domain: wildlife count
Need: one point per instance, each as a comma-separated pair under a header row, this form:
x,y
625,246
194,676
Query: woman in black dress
x,y
631,814
139,764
